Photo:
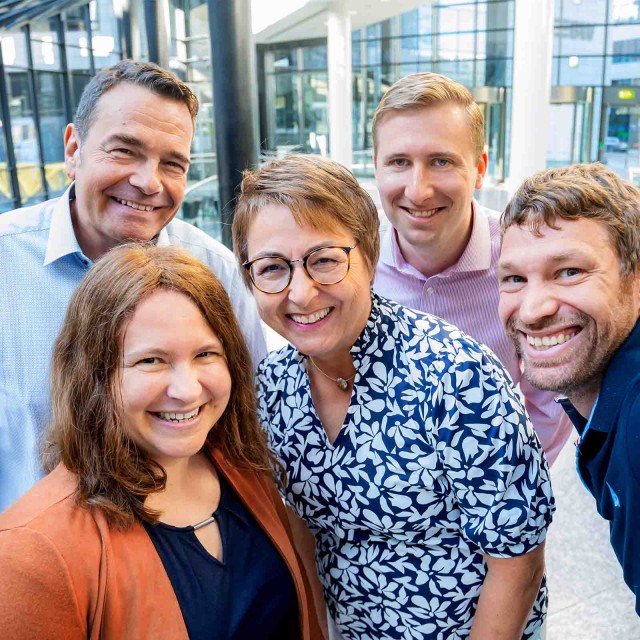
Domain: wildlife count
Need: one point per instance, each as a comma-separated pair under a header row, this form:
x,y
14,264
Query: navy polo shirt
x,y
608,455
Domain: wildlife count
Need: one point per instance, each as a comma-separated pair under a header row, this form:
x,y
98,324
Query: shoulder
x,y
201,245
48,518
49,506
418,333
275,363
27,219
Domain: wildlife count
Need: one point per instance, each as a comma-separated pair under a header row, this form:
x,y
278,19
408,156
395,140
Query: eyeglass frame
x,y
247,265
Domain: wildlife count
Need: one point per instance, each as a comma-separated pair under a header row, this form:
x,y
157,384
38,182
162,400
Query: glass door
x,y
570,125
492,103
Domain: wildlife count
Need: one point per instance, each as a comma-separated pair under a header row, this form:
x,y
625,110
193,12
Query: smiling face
x,y
564,303
322,321
131,168
174,381
426,172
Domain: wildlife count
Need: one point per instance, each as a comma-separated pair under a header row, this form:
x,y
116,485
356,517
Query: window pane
x,y
625,70
586,11
106,37
457,18
14,49
580,71
624,11
581,40
23,131
52,125
495,15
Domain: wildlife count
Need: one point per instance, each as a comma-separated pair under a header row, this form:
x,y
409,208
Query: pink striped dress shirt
x,y
466,295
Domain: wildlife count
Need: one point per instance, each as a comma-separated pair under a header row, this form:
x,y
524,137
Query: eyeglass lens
x,y
327,265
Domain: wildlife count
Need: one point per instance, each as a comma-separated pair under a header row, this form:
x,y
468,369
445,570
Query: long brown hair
x,y
87,433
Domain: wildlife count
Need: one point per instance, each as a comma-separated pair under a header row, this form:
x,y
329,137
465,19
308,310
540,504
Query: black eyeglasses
x,y
326,265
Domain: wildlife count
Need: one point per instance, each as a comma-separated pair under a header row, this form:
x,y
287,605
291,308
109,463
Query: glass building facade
x,y
45,63
595,98
469,41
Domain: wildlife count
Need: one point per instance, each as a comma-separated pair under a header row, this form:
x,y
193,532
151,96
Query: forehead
x,y
128,107
161,314
589,239
445,124
276,226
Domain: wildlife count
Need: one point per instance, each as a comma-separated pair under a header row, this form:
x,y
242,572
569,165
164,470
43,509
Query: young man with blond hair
x,y
439,256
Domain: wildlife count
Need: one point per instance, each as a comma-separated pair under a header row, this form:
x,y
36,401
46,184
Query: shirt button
x,y
430,290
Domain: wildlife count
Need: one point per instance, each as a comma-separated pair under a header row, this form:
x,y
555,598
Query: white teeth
x,y
550,341
178,417
311,318
135,205
422,214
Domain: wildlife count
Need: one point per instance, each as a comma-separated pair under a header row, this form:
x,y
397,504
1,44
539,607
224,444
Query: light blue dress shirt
x,y
41,264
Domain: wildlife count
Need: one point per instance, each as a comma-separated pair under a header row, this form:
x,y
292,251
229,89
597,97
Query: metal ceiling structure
x,y
16,13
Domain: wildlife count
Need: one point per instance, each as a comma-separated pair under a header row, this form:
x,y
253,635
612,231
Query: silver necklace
x,y
342,383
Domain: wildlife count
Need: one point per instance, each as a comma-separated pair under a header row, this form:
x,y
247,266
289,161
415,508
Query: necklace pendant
x,y
342,384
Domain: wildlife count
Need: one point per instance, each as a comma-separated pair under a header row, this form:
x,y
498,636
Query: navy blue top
x,y
249,595
608,455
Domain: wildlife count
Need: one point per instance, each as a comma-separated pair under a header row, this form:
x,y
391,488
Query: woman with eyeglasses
x,y
160,518
408,452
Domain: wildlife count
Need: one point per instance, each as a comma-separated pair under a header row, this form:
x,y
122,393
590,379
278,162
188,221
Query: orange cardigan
x,y
66,574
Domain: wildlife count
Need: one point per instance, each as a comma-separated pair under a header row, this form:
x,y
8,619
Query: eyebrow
x,y
132,141
148,352
275,254
559,258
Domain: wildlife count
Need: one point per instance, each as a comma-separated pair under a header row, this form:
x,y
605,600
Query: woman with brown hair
x,y
160,518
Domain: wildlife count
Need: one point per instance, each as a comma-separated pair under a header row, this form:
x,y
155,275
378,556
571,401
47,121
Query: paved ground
x,y
588,599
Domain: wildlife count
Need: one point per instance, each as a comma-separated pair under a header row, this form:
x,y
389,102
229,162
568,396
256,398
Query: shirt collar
x,y
475,257
616,381
62,237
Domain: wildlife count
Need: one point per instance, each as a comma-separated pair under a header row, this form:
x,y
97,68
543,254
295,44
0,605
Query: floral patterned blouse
x,y
436,464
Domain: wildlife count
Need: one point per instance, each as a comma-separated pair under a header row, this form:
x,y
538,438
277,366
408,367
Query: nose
x,y
146,178
184,384
419,187
536,303
302,288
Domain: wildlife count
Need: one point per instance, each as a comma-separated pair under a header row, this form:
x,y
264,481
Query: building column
x,y
340,83
234,99
532,57
158,29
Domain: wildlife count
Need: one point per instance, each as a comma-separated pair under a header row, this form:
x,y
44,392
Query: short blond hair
x,y
319,192
427,89
581,191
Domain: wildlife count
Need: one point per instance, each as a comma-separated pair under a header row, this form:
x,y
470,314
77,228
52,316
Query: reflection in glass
x,y
578,40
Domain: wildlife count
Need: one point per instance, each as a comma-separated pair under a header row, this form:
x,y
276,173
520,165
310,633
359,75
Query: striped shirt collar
x,y
475,257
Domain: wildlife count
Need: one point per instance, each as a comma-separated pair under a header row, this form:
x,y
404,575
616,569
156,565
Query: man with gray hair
x,y
128,153
439,255
569,274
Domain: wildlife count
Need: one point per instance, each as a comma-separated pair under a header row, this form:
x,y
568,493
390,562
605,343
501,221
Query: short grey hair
x,y
142,74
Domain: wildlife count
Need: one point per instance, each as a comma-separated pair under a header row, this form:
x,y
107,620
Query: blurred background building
x,y
587,54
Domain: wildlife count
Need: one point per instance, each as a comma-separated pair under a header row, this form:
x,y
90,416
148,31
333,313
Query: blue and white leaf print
x,y
436,464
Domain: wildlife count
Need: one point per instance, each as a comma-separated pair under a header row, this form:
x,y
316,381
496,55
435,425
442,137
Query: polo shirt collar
x,y
62,239
616,383
475,257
